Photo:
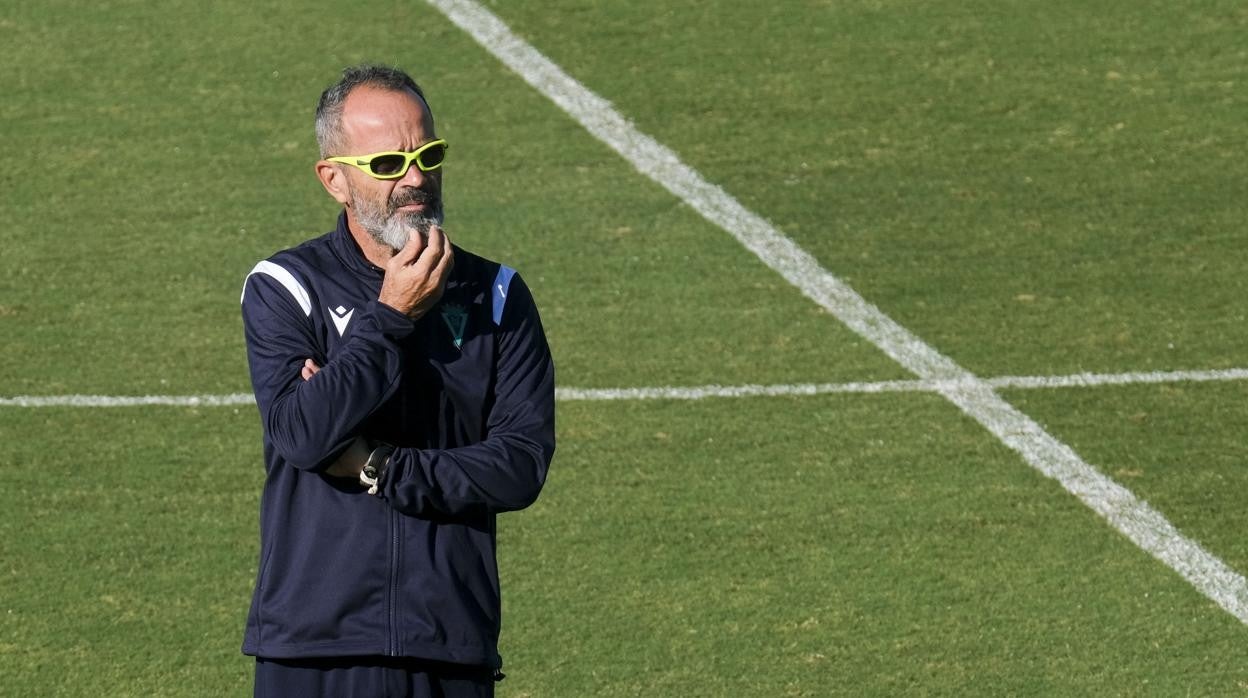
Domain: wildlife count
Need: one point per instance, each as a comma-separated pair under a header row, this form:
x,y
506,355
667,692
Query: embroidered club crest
x,y
456,318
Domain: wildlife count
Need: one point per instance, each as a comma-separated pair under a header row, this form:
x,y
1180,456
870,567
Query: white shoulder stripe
x,y
286,279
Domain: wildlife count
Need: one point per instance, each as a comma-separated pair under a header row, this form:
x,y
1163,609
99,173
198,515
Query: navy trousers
x,y
370,677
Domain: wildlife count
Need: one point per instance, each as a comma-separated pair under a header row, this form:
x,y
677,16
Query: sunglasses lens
x,y
432,156
387,164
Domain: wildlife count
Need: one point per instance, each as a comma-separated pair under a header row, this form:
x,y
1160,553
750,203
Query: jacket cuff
x,y
390,321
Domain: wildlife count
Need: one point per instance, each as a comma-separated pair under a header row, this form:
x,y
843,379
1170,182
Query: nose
x,y
413,177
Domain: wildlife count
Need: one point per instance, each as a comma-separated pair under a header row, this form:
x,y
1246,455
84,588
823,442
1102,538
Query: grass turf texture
x,y
127,548
223,179
1178,447
1031,188
709,550
872,561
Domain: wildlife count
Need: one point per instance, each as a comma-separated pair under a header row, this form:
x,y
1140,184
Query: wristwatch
x,y
375,468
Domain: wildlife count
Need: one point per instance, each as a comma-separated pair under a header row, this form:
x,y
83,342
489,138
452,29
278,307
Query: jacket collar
x,y
349,251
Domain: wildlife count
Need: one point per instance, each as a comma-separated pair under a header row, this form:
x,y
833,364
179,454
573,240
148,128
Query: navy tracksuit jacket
x,y
466,393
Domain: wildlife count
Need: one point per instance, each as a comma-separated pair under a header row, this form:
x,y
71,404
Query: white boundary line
x,y
1079,380
695,392
1132,517
232,399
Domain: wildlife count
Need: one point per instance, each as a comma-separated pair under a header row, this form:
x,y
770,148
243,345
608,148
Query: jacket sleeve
x,y
309,423
506,470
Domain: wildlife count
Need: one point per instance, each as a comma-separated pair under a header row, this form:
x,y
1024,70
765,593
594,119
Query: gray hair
x,y
329,108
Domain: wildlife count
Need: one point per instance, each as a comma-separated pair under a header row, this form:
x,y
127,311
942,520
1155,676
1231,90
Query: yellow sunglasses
x,y
393,164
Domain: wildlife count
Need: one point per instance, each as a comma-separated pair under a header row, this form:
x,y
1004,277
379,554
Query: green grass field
x,y
1033,189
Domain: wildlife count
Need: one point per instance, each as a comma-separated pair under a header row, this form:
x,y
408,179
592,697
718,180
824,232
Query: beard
x,y
385,224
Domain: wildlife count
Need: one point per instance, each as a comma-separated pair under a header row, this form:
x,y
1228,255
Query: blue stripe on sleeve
x,y
502,283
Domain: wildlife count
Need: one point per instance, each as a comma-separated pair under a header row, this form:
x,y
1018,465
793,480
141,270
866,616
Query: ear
x,y
334,180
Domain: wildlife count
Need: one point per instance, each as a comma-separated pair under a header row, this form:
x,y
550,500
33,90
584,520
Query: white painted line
x,y
128,400
1078,380
1132,517
1096,379
694,392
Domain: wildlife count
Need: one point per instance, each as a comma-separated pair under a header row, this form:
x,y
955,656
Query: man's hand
x,y
416,275
352,460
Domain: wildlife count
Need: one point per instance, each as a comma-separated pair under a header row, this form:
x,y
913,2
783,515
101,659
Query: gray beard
x,y
392,229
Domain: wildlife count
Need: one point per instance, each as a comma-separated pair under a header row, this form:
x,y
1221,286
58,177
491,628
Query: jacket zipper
x,y
392,605
396,524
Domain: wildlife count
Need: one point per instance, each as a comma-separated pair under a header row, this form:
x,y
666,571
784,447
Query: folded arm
x,y
311,422
507,469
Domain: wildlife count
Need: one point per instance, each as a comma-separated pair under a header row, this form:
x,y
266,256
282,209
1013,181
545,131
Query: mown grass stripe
x,y
975,397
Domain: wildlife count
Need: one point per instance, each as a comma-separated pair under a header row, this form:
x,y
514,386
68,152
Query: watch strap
x,y
374,472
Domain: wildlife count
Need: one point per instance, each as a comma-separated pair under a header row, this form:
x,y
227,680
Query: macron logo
x,y
341,317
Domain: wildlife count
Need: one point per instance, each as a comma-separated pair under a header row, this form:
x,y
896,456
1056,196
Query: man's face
x,y
388,220
377,120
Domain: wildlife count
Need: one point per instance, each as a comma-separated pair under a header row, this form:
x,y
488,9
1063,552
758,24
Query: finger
x,y
414,247
410,252
309,369
437,233
436,240
446,263
437,247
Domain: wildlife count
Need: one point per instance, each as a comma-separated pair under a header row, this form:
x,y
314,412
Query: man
x,y
406,392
